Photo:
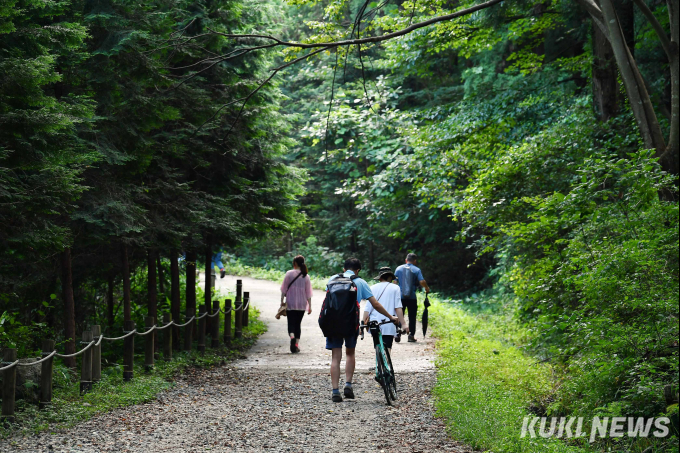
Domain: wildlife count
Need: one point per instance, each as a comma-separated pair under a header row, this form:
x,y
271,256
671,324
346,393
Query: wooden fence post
x,y
46,375
96,354
208,320
149,322
238,317
216,325
227,322
167,338
246,299
239,290
201,330
86,364
213,277
9,381
128,351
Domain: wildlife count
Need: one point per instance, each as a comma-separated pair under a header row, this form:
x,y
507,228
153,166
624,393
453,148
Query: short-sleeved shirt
x,y
399,273
298,292
363,290
389,295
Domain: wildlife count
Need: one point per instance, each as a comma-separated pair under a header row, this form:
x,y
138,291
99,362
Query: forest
x,y
525,150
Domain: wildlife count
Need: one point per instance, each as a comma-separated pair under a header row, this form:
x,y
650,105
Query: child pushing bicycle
x,y
389,296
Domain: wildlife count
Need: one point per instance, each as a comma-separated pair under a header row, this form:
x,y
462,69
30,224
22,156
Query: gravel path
x,y
272,401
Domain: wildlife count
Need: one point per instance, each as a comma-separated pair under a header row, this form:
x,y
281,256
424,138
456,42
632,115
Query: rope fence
x,y
208,322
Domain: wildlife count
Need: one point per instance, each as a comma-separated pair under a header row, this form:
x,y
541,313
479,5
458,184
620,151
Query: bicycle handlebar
x,y
376,324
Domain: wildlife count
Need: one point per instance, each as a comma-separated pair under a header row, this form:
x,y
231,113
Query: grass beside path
x,y
69,408
485,384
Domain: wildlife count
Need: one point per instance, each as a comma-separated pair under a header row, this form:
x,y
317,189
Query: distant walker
x,y
410,277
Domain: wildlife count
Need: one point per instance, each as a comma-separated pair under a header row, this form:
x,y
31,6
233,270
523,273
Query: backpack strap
x,y
383,292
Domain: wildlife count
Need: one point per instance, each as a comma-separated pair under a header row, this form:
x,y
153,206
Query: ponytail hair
x,y
300,261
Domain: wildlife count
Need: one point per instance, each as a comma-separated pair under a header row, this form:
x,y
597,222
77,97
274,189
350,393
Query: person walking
x,y
389,295
297,291
340,313
217,262
410,277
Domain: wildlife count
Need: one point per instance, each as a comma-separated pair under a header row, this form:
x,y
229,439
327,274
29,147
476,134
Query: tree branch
x,y
370,39
656,25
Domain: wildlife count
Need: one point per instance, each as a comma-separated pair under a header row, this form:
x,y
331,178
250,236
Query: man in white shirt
x,y
389,295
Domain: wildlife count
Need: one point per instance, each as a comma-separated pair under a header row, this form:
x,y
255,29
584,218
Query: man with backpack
x,y
339,321
410,277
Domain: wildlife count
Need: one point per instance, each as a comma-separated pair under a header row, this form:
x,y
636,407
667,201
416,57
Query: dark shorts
x,y
334,343
388,341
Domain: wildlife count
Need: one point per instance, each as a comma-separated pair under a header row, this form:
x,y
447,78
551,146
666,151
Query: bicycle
x,y
384,371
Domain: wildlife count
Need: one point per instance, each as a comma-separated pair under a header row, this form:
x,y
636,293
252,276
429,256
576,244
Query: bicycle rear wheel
x,y
383,375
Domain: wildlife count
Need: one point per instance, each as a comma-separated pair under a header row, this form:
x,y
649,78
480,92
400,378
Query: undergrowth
x,y
487,384
69,407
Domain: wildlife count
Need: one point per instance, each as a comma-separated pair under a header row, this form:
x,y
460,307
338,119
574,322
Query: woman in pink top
x,y
297,290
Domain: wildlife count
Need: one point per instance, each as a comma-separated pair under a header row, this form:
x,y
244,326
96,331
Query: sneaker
x,y
337,398
223,273
349,392
293,348
411,339
397,338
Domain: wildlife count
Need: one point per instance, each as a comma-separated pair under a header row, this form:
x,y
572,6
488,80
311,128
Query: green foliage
x,y
236,267
111,137
17,335
598,274
321,261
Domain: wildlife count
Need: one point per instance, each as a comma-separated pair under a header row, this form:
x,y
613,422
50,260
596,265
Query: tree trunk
x,y
605,75
69,307
208,272
127,306
109,302
625,9
190,297
152,295
161,282
49,319
671,158
174,298
638,96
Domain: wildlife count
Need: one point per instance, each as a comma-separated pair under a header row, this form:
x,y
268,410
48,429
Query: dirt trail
x,y
272,401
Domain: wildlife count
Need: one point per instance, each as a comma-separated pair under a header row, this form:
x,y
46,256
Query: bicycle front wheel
x,y
383,375
392,387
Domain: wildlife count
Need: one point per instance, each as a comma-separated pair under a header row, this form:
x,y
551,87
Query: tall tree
x,y
69,307
152,302
606,18
190,296
175,297
125,264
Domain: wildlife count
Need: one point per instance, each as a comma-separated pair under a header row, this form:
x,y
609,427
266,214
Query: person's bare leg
x,y
350,363
335,366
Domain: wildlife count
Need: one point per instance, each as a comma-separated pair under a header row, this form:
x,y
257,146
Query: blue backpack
x,y
408,284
